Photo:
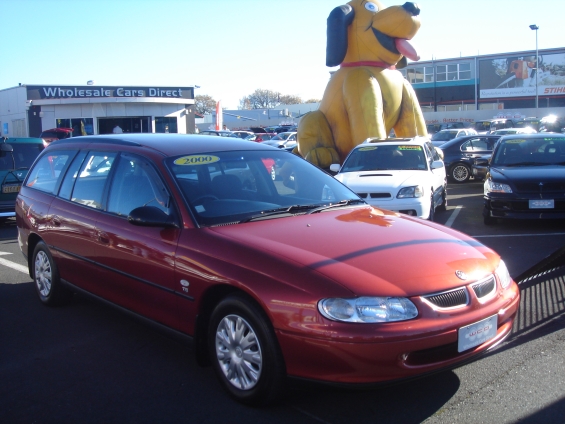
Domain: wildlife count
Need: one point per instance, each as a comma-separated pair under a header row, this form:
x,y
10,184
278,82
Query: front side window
x,y
136,184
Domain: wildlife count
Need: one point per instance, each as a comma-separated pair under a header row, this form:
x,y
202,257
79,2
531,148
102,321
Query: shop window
x,y
80,126
454,72
166,124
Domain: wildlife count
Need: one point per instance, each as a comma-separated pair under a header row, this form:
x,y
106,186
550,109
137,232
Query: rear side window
x,y
48,170
91,180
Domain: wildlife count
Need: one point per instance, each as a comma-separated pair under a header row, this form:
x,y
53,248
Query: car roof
x,y
22,140
168,144
464,138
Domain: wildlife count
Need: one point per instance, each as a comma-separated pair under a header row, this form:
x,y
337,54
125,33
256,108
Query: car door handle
x,y
103,237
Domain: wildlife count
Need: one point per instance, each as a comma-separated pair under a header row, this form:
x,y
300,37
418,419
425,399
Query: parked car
x,y
243,134
260,137
281,140
401,175
534,123
56,134
268,279
508,131
459,153
16,156
434,128
525,178
489,125
445,135
480,166
219,133
552,123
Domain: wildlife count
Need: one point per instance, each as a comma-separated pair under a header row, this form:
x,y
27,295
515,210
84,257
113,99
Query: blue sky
x,y
230,48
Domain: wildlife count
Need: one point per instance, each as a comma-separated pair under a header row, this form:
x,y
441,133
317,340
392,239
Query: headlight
x,y
492,187
503,275
416,191
368,309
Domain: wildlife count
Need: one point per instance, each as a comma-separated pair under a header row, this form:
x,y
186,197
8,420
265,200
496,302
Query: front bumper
x,y
519,208
421,348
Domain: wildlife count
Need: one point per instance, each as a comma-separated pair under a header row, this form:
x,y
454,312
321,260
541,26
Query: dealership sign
x,y
92,92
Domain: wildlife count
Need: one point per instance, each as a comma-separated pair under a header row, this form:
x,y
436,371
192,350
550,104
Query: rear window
x,y
22,157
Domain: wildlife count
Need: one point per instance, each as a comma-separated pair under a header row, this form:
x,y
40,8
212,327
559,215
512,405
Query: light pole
x,y
535,28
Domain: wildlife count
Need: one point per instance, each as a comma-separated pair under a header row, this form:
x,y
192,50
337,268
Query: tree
x,y
313,101
290,100
260,99
204,104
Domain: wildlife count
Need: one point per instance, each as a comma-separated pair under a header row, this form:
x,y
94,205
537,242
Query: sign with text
x,y
42,92
515,76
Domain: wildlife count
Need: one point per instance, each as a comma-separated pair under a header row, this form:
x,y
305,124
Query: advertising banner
x,y
515,76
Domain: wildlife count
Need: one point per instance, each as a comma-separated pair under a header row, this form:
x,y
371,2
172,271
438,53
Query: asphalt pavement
x,y
89,363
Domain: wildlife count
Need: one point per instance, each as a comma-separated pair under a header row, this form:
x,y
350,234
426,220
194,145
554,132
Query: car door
x,y
477,147
138,260
73,215
438,175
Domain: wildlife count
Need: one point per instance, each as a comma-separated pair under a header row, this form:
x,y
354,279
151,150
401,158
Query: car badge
x,y
461,275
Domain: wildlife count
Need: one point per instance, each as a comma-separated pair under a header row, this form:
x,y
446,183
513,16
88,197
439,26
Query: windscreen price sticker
x,y
475,334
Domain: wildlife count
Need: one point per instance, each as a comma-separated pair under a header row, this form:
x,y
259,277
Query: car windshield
x,y
529,151
238,186
444,135
385,157
22,157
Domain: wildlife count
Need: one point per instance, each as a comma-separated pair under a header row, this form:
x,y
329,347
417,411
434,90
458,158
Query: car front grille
x,y
450,299
533,187
485,287
375,195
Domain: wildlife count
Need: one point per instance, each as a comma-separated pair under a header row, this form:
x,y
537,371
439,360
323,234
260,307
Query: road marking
x,y
453,216
12,265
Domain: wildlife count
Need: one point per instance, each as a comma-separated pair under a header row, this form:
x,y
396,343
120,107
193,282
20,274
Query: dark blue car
x,y
459,154
526,178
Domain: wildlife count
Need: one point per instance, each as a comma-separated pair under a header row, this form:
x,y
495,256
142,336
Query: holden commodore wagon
x,y
270,279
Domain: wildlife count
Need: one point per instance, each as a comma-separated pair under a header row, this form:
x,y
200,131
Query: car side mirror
x,y
334,167
6,148
437,164
150,216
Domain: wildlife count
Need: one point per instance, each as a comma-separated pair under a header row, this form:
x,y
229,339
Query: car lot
x,y
90,363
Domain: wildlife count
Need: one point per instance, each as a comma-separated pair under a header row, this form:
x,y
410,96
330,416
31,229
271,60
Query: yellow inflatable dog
x,y
367,96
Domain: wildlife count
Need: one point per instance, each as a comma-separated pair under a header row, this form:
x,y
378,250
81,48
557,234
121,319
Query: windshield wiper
x,y
339,204
289,210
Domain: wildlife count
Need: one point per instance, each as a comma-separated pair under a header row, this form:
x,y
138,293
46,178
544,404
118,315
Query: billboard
x,y
515,76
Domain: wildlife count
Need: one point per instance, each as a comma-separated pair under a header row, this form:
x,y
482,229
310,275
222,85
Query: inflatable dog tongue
x,y
406,49
366,97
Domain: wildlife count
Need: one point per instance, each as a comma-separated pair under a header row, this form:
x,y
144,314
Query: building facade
x,y
492,85
27,110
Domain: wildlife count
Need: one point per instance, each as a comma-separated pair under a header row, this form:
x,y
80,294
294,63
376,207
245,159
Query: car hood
x,y
371,181
522,174
365,250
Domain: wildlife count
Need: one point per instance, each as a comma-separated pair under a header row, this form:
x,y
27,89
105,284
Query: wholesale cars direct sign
x,y
92,92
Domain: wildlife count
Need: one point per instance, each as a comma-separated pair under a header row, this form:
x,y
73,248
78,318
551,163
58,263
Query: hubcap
x,y
42,273
460,173
238,352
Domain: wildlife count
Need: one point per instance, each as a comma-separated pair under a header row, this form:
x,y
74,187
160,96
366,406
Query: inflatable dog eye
x,y
367,96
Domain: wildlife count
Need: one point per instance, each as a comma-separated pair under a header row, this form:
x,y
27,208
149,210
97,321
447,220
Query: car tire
x,y
46,279
254,374
460,173
432,213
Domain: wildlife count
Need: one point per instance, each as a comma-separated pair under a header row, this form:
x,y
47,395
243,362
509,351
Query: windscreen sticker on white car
x,y
364,149
197,160
409,147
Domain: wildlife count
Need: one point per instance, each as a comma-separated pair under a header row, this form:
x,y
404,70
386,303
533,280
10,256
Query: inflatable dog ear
x,y
338,21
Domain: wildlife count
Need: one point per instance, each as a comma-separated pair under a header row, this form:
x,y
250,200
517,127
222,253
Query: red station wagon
x,y
292,277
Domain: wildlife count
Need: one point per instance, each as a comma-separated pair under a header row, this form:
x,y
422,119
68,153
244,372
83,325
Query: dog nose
x,y
411,8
